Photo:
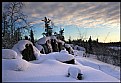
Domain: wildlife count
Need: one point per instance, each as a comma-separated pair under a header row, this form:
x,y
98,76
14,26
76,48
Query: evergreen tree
x,y
32,36
48,29
90,45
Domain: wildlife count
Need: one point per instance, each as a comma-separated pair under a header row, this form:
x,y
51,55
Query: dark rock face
x,y
79,76
28,53
45,48
70,62
54,45
60,46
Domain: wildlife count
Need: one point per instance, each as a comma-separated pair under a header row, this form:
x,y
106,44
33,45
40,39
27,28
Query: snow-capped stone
x,y
8,54
43,40
64,57
20,46
73,72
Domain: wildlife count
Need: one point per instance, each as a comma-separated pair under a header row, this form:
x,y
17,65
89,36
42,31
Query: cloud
x,y
88,14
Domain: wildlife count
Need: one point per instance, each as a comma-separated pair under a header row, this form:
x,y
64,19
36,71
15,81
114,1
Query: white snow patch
x,y
8,54
43,40
15,64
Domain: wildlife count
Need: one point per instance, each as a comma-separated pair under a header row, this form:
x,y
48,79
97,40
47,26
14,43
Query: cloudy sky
x,y
79,19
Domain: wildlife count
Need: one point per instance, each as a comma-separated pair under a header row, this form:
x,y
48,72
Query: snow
x,y
49,68
115,48
61,56
76,47
79,53
20,46
60,41
53,37
43,40
8,54
39,47
74,71
64,51
15,64
104,67
52,71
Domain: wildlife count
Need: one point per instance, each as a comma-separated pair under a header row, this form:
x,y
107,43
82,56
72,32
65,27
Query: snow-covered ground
x,y
50,67
52,70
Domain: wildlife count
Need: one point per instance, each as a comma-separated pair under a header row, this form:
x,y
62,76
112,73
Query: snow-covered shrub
x,y
74,72
21,65
26,48
8,54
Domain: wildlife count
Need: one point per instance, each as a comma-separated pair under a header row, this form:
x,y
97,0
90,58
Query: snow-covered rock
x,y
74,72
15,64
43,40
20,46
64,56
8,54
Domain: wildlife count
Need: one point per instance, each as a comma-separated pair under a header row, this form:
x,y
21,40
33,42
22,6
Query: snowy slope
x,y
96,64
51,71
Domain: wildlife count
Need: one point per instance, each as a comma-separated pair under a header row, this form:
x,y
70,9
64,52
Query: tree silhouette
x,y
48,29
32,36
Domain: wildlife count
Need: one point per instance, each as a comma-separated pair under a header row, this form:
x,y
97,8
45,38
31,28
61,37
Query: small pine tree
x,y
32,36
90,45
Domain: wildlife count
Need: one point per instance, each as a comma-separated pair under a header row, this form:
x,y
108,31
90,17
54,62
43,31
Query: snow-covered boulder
x,y
46,43
25,48
43,40
75,72
8,54
15,65
64,57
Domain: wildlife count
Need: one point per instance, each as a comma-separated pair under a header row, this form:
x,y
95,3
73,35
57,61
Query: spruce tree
x,y
32,36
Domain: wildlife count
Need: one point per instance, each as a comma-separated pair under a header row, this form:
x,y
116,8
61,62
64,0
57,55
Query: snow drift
x,y
9,54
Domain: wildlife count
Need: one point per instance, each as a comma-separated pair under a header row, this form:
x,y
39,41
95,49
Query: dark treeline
x,y
101,50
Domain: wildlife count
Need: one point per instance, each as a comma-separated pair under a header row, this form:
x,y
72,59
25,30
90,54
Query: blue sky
x,y
96,19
